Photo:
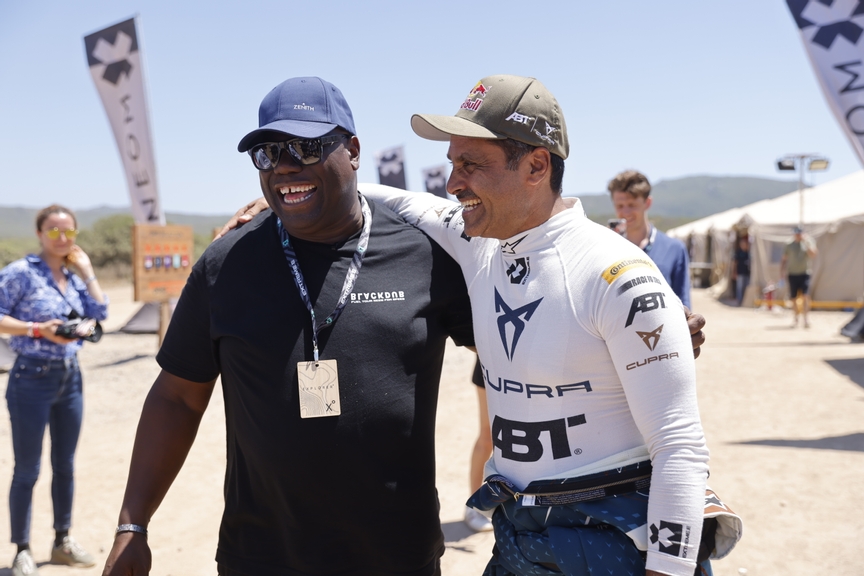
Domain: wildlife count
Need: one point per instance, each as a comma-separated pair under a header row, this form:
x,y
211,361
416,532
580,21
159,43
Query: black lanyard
x,y
350,279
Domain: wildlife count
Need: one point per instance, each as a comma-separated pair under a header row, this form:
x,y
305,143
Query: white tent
x,y
833,216
708,240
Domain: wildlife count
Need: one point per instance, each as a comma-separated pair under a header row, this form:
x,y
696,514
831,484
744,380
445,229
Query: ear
x,y
648,201
539,163
353,148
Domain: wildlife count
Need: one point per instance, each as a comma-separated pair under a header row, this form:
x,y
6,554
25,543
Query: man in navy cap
x,y
326,318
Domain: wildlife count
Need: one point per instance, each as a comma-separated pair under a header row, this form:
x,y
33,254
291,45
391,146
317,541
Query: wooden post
x,y
162,261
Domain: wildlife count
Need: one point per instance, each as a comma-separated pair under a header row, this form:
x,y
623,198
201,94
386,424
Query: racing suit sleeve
x,y
440,218
648,340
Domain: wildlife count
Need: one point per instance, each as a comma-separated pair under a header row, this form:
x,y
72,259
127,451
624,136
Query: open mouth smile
x,y
297,194
469,205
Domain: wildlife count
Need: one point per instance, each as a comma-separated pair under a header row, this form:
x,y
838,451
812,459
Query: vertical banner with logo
x,y
832,34
435,179
115,64
391,167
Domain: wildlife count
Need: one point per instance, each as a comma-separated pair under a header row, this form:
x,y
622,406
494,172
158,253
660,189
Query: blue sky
x,y
670,87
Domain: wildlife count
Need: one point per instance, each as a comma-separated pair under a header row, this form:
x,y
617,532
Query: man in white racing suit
x,y
585,351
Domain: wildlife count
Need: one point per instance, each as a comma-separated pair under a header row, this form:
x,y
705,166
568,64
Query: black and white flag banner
x,y
435,179
391,167
833,35
115,64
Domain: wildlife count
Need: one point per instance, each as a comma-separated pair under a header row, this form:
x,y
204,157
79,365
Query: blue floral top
x,y
28,293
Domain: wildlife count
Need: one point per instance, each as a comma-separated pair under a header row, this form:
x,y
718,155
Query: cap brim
x,y
433,127
290,128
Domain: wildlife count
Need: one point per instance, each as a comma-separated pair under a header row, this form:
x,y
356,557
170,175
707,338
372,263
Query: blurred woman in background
x,y
37,295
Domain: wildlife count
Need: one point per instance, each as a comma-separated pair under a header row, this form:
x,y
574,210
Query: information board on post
x,y
162,261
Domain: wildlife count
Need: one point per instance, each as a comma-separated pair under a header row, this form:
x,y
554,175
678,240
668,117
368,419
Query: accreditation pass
x,y
318,386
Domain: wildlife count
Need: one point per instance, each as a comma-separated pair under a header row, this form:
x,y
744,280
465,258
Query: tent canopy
x,y
833,214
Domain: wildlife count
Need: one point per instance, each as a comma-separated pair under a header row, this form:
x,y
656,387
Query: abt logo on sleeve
x,y
644,304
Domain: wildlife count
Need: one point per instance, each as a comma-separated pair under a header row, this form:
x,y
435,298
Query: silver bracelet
x,y
89,279
131,528
30,329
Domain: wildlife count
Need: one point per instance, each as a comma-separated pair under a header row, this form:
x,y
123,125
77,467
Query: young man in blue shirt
x,y
631,197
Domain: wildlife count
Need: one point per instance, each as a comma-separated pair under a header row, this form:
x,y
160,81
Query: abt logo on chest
x,y
521,441
529,441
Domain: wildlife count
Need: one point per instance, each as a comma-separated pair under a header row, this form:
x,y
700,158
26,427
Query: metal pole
x,y
801,161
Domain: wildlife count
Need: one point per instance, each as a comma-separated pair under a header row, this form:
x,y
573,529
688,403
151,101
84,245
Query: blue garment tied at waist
x,y
573,526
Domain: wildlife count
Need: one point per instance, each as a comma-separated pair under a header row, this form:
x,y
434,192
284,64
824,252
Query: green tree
x,y
109,242
12,249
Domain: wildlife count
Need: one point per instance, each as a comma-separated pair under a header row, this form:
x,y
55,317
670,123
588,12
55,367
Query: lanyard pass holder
x,y
318,380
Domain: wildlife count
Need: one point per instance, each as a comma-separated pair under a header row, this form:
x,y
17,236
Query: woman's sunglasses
x,y
54,233
304,151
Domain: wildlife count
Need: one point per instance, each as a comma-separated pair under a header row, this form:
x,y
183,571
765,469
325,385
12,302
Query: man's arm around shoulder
x,y
168,426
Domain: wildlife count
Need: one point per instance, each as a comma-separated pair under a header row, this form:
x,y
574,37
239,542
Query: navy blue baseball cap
x,y
300,107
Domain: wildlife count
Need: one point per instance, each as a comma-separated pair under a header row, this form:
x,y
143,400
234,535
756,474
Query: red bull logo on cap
x,y
478,90
475,98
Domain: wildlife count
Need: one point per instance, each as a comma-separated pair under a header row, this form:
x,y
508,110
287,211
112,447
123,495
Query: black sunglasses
x,y
304,151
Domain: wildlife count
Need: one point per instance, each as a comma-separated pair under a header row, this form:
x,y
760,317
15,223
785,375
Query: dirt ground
x,y
783,411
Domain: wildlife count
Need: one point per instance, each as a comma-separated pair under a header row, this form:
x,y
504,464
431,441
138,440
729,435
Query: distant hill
x,y
681,200
19,222
676,202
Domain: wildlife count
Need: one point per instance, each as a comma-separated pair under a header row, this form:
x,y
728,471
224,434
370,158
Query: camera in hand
x,y
619,225
77,327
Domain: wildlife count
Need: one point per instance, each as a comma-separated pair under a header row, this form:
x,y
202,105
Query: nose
x,y
454,183
286,164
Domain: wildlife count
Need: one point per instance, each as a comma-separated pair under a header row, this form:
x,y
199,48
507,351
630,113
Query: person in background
x,y
37,294
481,452
796,263
631,197
741,268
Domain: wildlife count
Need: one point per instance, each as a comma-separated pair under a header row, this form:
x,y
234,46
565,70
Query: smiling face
x,y
496,202
317,202
60,247
631,208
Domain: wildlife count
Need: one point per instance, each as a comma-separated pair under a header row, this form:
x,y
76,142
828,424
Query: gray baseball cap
x,y
502,106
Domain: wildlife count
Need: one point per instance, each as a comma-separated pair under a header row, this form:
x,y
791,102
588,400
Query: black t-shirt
x,y
350,494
